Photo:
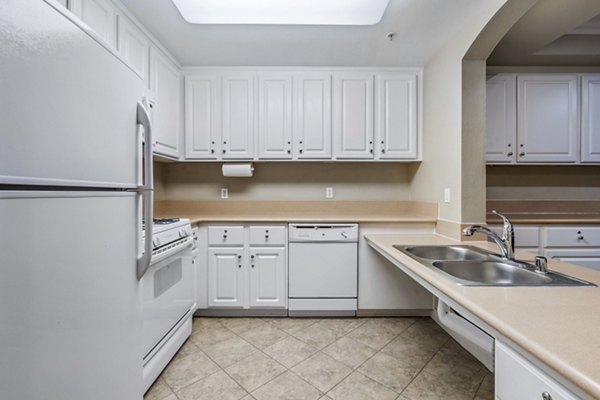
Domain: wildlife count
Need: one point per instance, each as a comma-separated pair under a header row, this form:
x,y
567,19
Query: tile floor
x,y
306,359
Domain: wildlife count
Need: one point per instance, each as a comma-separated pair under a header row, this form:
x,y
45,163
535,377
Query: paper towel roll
x,y
237,170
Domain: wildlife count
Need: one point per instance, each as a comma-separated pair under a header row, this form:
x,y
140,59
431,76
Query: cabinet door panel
x,y
165,86
312,135
225,278
501,119
202,117
134,47
238,117
101,17
268,278
353,115
590,116
275,117
548,121
397,116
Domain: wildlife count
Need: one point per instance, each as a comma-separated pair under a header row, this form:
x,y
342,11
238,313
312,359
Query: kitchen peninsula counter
x,y
559,326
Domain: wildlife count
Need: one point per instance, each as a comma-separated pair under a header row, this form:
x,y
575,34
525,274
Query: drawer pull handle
x,y
546,396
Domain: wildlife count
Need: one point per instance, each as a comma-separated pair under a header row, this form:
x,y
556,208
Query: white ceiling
x,y
422,26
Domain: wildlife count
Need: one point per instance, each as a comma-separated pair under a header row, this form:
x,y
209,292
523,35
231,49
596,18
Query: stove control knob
x,y
182,233
156,242
344,235
188,230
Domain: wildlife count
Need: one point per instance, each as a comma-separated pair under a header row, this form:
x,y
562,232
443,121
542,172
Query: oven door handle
x,y
145,188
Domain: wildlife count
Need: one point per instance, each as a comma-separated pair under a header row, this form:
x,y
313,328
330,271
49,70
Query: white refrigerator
x,y
72,198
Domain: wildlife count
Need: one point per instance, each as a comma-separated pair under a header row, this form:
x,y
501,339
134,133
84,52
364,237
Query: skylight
x,y
282,12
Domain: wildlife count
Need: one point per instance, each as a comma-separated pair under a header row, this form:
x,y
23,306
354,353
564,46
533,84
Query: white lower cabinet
x,y
247,267
517,378
268,280
225,277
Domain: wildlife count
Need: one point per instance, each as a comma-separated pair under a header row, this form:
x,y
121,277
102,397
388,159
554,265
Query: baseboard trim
x,y
240,313
393,313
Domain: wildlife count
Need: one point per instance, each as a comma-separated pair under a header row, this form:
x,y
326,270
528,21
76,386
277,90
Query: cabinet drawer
x,y
572,236
517,378
266,235
225,235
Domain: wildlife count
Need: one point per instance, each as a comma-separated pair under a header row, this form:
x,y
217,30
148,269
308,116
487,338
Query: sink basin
x,y
492,273
500,273
471,266
444,252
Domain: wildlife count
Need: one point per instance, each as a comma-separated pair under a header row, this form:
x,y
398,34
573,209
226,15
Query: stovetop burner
x,y
164,221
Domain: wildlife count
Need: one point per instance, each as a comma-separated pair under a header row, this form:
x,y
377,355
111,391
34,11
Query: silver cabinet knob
x,y
521,154
546,396
509,154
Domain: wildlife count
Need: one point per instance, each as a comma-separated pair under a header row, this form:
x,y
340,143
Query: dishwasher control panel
x,y
323,232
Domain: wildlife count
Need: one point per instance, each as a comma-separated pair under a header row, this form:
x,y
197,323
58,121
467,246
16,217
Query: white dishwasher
x,y
323,269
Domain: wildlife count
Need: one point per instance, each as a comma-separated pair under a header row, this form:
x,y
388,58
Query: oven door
x,y
168,289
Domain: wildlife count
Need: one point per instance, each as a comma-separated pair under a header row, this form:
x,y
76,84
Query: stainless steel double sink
x,y
472,266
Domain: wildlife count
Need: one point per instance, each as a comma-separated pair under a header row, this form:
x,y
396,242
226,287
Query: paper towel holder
x,y
237,170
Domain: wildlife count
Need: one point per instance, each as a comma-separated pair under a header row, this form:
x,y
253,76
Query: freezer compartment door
x,y
70,301
323,270
68,105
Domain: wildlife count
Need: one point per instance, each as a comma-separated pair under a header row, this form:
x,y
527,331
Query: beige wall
x,y
286,181
543,182
442,165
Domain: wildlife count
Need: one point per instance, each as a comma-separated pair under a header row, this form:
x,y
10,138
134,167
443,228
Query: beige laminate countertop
x,y
548,218
297,211
558,326
545,212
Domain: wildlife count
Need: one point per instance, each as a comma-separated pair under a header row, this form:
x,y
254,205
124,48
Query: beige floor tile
x,y
230,351
287,386
317,336
215,386
409,351
211,335
325,398
248,397
486,390
389,371
359,387
457,369
322,371
158,391
395,325
349,351
372,334
429,387
241,325
188,348
290,351
292,325
264,335
255,370
342,326
187,370
204,322
171,397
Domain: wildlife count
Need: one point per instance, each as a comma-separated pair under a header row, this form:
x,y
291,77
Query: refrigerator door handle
x,y
146,189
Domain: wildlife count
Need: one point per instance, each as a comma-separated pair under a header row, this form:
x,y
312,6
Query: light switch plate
x,y
447,195
224,193
329,193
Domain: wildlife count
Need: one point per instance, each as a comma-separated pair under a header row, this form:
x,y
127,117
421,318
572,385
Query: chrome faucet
x,y
506,242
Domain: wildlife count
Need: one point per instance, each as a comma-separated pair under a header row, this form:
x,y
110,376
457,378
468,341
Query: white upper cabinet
x,y
353,115
238,117
312,108
501,118
590,115
165,88
548,119
275,116
100,16
202,117
396,119
134,47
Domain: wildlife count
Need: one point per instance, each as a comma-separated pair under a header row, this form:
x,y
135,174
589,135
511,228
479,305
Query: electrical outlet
x,y
329,193
447,195
224,193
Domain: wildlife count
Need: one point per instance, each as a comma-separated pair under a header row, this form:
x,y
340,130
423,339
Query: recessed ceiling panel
x,y
282,12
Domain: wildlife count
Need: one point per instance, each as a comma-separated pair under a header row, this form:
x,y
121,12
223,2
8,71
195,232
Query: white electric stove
x,y
168,295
